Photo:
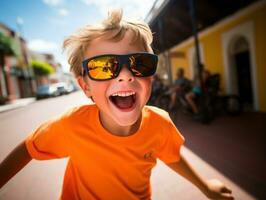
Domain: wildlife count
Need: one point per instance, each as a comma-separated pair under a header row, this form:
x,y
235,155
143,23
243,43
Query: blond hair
x,y
114,29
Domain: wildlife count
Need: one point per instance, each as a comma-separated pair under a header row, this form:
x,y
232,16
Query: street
x,y
42,180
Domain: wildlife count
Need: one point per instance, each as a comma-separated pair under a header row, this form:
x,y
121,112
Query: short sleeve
x,y
48,141
171,142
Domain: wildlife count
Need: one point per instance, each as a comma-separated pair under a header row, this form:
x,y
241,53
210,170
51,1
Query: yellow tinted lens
x,y
102,68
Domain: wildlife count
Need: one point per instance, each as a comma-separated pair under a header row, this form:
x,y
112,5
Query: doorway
x,y
242,68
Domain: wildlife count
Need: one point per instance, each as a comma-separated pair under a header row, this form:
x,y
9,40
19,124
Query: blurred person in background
x,y
180,87
197,91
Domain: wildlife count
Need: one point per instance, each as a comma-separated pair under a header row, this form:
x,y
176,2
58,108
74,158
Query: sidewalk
x,y
16,104
233,145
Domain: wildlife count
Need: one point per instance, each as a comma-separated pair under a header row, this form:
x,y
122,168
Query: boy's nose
x,y
125,74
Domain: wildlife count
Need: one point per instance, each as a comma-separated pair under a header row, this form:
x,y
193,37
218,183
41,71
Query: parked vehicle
x,y
64,88
46,91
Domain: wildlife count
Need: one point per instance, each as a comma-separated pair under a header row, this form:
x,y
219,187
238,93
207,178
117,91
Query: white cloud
x,y
20,21
63,12
53,2
40,45
135,9
62,59
43,46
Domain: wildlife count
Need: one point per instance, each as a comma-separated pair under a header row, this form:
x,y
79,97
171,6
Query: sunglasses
x,y
108,66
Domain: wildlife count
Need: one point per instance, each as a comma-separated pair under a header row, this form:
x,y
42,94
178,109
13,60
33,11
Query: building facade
x,y
16,77
234,47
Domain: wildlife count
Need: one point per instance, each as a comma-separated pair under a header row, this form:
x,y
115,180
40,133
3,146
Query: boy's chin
x,y
130,118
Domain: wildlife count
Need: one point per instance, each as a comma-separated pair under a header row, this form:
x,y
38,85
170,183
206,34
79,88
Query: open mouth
x,y
123,100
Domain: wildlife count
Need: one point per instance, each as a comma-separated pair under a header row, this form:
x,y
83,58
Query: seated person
x,y
180,87
156,84
197,91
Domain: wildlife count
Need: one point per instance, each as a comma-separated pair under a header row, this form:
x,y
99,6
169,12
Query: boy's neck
x,y
117,130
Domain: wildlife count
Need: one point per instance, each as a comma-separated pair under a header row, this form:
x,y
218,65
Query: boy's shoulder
x,y
80,112
157,113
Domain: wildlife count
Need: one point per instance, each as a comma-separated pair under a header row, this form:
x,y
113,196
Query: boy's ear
x,y
84,86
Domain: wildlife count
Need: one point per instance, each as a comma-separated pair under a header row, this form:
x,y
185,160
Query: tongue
x,y
123,102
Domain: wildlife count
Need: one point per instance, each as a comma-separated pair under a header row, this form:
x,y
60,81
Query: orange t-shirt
x,y
101,165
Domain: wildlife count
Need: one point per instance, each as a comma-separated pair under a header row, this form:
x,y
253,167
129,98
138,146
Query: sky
x,y
45,23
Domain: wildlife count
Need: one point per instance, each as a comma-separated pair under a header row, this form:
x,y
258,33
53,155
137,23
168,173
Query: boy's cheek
x,y
149,82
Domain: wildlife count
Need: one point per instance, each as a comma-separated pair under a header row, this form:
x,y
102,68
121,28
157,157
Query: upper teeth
x,y
123,94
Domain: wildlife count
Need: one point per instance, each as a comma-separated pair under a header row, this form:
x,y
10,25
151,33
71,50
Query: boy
x,y
112,145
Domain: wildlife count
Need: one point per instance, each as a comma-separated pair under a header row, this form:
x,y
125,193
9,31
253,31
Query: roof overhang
x,y
170,20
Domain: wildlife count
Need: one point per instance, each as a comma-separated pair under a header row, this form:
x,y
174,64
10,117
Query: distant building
x,y
232,43
16,77
59,75
46,58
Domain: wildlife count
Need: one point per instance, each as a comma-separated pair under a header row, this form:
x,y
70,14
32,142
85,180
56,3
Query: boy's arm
x,y
13,163
213,189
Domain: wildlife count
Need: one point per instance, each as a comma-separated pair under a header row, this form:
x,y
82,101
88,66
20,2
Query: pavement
x,y
231,149
16,104
232,145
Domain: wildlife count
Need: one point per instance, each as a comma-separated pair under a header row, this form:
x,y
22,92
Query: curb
x,y
16,104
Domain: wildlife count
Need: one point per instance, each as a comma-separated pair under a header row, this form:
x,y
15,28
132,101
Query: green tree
x,y
5,45
41,68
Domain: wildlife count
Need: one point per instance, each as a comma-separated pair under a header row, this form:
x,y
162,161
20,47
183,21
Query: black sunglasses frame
x,y
122,60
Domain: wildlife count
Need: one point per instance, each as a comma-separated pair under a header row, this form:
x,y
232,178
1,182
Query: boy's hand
x,y
217,190
213,188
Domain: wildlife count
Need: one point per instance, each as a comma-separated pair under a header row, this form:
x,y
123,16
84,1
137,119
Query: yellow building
x,y
234,47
